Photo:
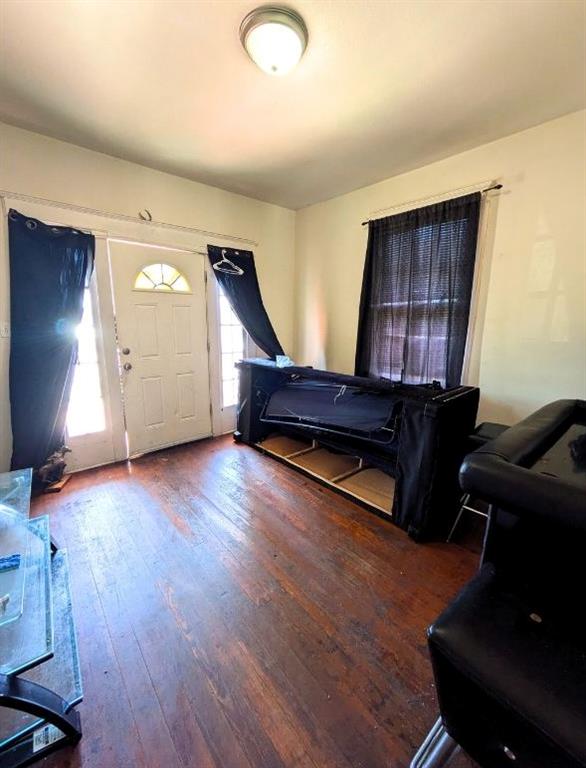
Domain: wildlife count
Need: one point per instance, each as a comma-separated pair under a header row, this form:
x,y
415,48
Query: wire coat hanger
x,y
227,266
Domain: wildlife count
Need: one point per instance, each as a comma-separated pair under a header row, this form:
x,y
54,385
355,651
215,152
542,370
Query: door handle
x,y
125,351
127,366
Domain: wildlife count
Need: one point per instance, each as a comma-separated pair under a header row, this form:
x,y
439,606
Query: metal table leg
x,y
26,696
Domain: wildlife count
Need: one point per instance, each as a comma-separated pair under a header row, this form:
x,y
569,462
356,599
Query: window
x,y
232,336
416,293
86,411
161,277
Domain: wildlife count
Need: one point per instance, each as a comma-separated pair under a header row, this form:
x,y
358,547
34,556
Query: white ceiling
x,y
384,86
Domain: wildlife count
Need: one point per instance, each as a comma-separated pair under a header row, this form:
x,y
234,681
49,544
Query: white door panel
x,y
165,375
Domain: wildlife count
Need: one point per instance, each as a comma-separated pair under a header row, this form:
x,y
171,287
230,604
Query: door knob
x,y
125,351
127,366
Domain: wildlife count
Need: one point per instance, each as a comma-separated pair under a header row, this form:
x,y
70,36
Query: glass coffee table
x,y
40,680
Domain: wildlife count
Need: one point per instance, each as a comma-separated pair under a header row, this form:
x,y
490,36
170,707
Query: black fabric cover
x,y
423,452
432,444
243,293
49,270
416,293
318,403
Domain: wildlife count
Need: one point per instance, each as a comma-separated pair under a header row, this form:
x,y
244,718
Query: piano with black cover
x,y
351,432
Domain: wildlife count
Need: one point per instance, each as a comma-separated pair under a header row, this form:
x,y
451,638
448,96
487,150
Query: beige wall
x,y
35,165
529,341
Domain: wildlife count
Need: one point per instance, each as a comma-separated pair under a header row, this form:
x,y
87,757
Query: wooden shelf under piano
x,y
346,473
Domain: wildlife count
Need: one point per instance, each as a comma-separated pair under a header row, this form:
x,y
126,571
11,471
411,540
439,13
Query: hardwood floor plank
x,y
190,699
242,610
234,614
109,726
361,629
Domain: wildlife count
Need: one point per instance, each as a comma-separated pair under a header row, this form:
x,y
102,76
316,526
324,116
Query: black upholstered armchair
x,y
509,653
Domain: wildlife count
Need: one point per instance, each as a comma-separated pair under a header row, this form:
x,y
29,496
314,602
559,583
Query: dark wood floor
x,y
232,613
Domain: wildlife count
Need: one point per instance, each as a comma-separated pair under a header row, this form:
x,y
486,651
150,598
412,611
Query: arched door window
x,y
161,277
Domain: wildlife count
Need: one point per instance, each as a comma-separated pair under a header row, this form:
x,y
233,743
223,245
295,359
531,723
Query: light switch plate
x,y
4,329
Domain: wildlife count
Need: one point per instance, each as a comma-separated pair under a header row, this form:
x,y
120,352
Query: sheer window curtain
x,y
416,293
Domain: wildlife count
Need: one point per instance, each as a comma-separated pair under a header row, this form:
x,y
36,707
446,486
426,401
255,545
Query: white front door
x,y
161,322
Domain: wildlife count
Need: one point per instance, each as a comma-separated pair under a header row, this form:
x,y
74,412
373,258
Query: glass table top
x,y
15,491
61,672
37,630
28,640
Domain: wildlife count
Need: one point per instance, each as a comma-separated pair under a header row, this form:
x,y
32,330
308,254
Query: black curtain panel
x,y
416,293
49,270
237,276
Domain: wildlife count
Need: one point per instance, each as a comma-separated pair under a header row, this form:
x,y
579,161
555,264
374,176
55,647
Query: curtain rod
x,y
411,202
121,216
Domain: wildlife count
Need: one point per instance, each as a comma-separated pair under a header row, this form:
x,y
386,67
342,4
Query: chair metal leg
x,y
437,749
463,501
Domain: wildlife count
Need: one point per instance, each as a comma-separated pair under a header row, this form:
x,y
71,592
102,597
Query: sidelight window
x,y
86,413
232,341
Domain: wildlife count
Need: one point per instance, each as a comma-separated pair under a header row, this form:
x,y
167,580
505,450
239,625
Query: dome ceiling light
x,y
274,38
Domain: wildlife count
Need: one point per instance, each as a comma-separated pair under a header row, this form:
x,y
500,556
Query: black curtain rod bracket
x,y
482,191
490,189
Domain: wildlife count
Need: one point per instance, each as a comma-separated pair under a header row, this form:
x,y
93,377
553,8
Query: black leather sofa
x,y
509,653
